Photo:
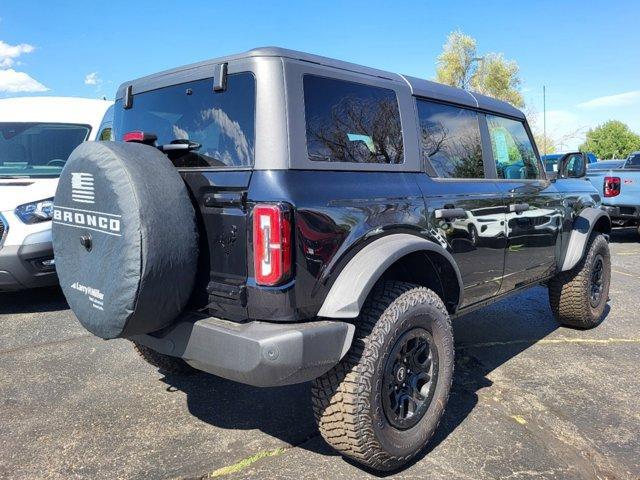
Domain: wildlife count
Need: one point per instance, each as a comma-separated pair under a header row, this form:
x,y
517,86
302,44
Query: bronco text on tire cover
x,y
125,238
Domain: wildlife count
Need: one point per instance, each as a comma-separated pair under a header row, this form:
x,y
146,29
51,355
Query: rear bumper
x,y
21,267
623,213
256,353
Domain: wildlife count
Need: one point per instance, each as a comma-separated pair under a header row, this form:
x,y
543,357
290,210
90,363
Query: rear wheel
x,y
383,402
164,363
579,297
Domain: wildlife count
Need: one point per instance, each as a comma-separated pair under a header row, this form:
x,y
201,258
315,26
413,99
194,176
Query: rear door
x,y
466,210
210,138
534,208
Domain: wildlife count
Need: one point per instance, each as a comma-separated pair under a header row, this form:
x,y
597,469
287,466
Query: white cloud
x,y
232,130
618,100
179,133
92,79
10,80
15,82
9,53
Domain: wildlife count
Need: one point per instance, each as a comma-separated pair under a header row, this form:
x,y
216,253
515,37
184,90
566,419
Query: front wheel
x,y
579,297
383,402
473,234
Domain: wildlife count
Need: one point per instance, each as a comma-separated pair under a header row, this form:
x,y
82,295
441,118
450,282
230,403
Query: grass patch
x,y
245,462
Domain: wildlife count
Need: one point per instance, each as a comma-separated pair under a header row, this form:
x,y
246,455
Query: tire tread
x,y
340,400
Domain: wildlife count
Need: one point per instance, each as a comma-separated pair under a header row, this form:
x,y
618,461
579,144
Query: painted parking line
x,y
556,341
625,274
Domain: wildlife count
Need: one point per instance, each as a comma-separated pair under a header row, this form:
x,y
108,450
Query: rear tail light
x,y
271,244
611,186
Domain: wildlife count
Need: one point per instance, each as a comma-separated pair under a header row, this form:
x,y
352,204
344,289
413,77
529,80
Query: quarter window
x,y
351,122
450,138
512,149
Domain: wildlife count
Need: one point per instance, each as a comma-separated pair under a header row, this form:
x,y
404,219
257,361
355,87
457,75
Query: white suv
x,y
37,134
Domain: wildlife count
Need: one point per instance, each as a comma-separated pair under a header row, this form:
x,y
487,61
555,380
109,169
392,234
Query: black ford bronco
x,y
276,217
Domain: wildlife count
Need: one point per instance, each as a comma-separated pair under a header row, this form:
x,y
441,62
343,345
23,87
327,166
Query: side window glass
x,y
351,122
512,149
106,135
450,138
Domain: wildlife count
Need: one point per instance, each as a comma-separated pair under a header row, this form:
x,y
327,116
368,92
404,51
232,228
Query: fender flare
x,y
355,281
582,228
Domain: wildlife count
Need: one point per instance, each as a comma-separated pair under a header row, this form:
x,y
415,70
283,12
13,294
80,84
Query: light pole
x,y
544,119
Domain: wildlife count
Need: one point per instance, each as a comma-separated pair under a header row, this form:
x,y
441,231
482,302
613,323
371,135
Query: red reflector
x,y
271,244
611,186
139,137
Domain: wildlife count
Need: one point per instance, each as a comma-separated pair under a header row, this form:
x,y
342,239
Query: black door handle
x,y
450,213
518,207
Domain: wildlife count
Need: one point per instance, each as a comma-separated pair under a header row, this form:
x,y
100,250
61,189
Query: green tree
x,y
460,66
612,139
499,78
456,62
546,144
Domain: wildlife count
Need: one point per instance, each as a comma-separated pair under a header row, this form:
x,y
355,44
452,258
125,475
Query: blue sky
x,y
586,53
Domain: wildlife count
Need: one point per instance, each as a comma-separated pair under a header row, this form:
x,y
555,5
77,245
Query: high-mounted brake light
x,y
611,186
138,136
271,244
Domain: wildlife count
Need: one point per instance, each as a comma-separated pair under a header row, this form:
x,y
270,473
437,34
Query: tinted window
x,y
106,135
37,149
351,122
550,162
450,137
219,126
633,161
512,149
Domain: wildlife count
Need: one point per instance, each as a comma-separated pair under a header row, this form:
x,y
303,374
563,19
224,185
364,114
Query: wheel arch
x,y
403,257
590,220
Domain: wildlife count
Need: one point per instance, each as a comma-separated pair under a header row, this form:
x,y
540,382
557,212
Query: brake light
x,y
271,244
611,186
139,136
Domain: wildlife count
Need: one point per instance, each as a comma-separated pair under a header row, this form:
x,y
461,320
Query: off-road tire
x,y
164,363
347,400
473,235
569,292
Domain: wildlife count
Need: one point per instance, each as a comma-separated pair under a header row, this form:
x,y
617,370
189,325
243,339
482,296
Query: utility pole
x,y
544,119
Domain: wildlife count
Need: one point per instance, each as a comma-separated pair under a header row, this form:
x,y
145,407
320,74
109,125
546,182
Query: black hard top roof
x,y
419,87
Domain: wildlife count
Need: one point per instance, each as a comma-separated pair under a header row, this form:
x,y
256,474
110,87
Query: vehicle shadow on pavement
x,y
625,235
485,340
35,300
281,412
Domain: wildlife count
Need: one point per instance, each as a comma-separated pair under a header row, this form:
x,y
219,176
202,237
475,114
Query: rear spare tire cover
x,y
124,238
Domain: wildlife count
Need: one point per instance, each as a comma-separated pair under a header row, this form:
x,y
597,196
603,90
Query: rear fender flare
x,y
355,281
582,227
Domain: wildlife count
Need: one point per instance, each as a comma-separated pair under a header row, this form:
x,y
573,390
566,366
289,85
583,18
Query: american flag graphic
x,y
82,189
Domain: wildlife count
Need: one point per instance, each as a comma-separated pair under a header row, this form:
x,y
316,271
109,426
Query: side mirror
x,y
572,165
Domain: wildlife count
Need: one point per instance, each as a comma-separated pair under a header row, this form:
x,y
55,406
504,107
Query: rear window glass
x,y
450,138
633,161
219,127
351,122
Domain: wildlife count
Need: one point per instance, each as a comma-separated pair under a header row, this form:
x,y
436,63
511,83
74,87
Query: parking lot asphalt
x,y
530,400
